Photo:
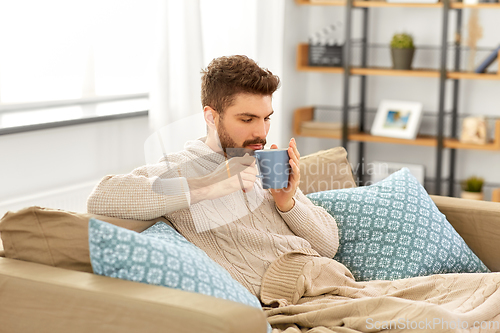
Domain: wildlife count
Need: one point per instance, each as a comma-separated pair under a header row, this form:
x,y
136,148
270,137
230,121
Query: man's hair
x,y
225,77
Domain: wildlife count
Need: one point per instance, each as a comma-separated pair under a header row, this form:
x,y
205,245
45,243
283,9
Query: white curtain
x,y
270,53
175,91
250,27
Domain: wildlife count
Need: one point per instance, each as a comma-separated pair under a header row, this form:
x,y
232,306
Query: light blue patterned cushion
x,y
161,256
393,230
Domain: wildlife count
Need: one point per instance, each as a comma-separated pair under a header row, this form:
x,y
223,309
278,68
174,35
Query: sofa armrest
x,y
39,298
478,222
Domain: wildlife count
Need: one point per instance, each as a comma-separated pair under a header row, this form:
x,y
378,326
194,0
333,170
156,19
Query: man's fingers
x,y
246,182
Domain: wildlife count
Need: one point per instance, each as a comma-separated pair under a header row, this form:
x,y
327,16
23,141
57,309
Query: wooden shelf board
x,y
367,4
422,140
456,144
419,141
387,4
336,70
459,5
455,5
307,114
321,3
394,72
303,65
473,76
320,133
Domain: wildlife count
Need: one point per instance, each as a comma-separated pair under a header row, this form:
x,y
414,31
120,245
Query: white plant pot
x,y
472,195
470,2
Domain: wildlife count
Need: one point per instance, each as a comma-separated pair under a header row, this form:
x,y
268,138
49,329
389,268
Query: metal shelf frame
x,y
439,141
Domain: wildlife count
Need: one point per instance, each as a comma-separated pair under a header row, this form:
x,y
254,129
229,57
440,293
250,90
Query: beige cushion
x,y
55,237
326,170
2,252
478,222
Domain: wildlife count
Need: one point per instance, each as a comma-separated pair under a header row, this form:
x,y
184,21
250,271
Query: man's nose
x,y
260,129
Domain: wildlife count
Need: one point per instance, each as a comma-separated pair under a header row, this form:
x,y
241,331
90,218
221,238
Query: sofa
x,y
47,283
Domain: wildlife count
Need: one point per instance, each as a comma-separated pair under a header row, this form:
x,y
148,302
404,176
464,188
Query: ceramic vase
x,y
402,58
472,195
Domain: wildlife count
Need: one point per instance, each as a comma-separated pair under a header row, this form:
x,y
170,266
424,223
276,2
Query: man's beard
x,y
230,147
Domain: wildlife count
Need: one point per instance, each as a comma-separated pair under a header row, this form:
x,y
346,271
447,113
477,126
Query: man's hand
x,y
284,197
238,173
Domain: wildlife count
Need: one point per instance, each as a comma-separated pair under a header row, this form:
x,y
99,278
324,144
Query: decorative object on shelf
x,y
472,188
402,51
397,119
326,47
474,33
474,130
488,61
379,170
470,2
495,195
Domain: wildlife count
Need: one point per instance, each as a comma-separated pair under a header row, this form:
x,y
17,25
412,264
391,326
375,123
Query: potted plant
x,y
472,188
402,50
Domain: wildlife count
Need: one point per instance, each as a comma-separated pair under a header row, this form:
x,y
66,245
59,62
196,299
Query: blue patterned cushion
x,y
161,256
393,230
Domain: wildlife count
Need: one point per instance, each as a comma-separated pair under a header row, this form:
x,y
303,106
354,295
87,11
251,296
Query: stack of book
x,y
323,128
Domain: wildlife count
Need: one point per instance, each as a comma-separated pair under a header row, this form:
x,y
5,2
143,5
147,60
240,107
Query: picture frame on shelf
x,y
381,170
397,119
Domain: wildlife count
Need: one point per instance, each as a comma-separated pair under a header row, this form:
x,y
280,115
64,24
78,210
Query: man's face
x,y
244,125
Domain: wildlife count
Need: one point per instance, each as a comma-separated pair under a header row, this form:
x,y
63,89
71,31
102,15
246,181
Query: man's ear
x,y
211,117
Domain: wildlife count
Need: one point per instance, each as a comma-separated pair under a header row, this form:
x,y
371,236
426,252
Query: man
x,y
277,243
210,191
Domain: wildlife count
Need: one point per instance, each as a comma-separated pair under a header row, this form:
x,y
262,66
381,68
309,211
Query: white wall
x,y
476,96
46,160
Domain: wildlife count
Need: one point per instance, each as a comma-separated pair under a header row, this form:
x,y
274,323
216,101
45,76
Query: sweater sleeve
x,y
314,224
146,193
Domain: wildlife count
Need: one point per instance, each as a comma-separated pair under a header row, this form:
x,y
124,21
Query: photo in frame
x,y
397,119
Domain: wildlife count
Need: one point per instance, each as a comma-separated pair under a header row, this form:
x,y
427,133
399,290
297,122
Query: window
x,y
56,50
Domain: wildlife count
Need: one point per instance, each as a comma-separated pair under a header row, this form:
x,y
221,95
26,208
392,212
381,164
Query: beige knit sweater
x,y
243,232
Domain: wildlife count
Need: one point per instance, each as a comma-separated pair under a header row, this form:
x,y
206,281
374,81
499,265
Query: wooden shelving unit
x,y
303,65
307,114
371,4
346,134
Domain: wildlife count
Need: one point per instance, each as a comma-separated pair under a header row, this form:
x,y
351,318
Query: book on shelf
x,y
327,128
488,61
